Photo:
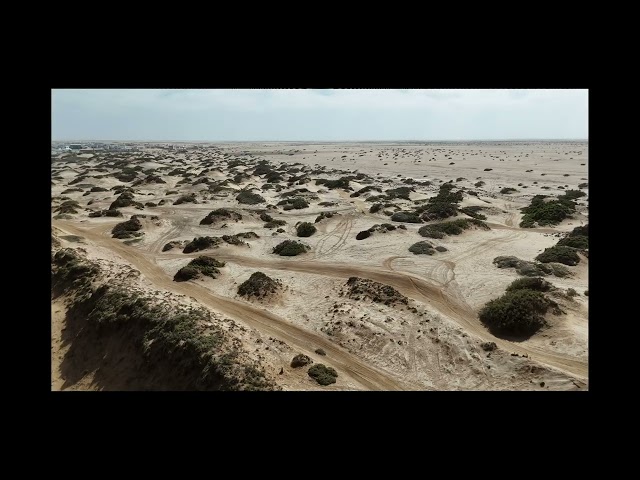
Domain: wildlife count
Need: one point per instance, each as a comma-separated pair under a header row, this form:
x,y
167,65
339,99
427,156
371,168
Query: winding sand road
x,y
435,294
369,377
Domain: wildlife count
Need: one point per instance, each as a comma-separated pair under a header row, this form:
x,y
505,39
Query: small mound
x,y
362,235
559,254
190,198
290,248
220,215
422,248
305,229
202,243
300,360
407,217
259,285
174,244
249,198
199,266
128,229
361,288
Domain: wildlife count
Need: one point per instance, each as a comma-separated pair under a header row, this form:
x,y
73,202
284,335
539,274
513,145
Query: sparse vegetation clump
x,y
363,234
202,243
422,248
249,198
578,238
148,180
322,374
473,212
199,266
323,215
274,224
68,207
172,245
305,229
190,198
546,212
342,182
508,190
300,360
220,215
559,254
531,269
296,203
259,285
361,288
453,227
128,229
126,199
408,217
290,248
531,283
518,312
400,192
375,208
106,213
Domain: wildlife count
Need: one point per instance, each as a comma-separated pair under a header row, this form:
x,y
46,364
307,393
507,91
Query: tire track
x,y
269,323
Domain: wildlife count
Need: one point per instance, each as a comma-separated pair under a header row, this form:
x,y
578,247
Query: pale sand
x,y
441,353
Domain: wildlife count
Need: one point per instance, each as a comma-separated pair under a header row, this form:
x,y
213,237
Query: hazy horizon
x,y
311,115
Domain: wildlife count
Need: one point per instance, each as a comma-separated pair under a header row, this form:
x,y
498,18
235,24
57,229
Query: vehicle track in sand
x,y
418,289
367,376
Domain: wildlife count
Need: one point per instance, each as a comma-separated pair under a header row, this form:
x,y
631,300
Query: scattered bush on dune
x,y
202,243
127,229
125,200
259,285
294,203
106,213
422,248
274,224
559,254
531,283
249,198
322,374
219,215
67,207
375,207
453,227
546,212
300,360
305,229
409,217
190,198
508,190
199,266
362,235
473,212
518,312
290,248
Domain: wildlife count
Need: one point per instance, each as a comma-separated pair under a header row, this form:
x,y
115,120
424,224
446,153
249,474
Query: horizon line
x,y
324,141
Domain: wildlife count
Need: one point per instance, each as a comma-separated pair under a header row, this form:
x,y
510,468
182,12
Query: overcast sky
x,y
330,115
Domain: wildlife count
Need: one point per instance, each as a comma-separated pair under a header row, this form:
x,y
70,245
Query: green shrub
x,y
363,234
508,190
290,248
454,227
574,194
409,217
579,242
190,198
530,283
479,184
249,198
546,213
473,212
437,211
375,207
202,243
201,265
559,254
258,285
305,229
518,312
294,203
127,229
422,248
400,192
220,214
322,374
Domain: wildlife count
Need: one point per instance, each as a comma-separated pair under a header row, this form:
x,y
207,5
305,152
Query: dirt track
x,y
369,377
433,293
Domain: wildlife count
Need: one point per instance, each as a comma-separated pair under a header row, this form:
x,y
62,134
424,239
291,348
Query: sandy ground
x,y
372,346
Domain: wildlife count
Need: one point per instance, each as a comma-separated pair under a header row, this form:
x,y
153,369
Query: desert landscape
x,y
321,266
